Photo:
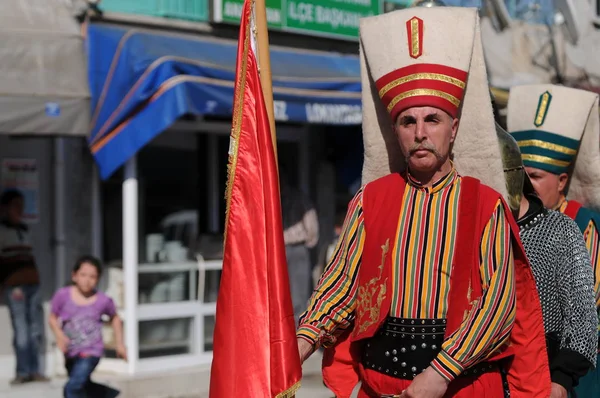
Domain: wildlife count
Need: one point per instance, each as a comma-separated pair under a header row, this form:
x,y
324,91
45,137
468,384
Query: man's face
x,y
425,135
549,187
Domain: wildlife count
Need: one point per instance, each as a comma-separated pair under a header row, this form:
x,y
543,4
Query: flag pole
x,y
264,64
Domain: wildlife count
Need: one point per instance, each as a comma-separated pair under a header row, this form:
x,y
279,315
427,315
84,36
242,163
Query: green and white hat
x,y
558,130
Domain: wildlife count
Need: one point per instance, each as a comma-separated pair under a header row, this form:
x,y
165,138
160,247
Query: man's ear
x,y
563,179
454,129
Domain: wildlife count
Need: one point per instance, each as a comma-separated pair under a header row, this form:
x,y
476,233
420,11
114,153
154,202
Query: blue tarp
x,y
143,81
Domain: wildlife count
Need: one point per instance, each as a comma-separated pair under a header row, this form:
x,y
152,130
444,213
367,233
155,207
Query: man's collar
x,y
436,186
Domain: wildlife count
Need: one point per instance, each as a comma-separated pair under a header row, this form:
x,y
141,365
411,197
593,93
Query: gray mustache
x,y
423,145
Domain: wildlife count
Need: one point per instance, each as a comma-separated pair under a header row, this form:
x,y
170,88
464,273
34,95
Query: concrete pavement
x,y
194,381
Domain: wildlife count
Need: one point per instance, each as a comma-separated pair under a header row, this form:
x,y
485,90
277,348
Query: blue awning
x,y
142,81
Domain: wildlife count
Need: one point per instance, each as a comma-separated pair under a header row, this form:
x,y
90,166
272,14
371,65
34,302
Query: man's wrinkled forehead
x,y
421,111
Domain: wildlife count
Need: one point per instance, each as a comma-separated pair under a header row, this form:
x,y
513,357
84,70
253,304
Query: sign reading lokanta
x,y
22,175
335,18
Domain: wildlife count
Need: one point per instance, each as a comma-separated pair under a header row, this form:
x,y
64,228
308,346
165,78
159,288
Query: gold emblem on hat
x,y
542,109
414,29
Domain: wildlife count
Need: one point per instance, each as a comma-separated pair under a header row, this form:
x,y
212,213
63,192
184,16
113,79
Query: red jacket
x,y
525,356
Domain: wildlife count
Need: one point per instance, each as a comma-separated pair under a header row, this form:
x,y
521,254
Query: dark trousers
x,y
80,384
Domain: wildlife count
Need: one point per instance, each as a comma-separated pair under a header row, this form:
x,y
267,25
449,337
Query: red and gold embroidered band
x,y
434,85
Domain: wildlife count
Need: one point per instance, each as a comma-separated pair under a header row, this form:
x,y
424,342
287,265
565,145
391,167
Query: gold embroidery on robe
x,y
371,295
471,303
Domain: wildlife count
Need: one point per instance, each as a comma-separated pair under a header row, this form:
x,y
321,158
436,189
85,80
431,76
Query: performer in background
x,y
558,131
428,275
560,262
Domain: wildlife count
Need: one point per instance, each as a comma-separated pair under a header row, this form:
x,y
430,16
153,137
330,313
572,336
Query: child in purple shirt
x,y
76,320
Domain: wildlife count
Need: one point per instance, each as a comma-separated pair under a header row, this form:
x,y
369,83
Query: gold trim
x,y
500,95
374,289
414,33
423,91
290,392
421,76
237,123
542,109
547,145
545,159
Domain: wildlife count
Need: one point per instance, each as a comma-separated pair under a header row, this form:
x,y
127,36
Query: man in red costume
x,y
428,294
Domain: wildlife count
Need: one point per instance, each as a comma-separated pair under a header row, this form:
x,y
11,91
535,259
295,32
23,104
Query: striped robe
x,y
422,257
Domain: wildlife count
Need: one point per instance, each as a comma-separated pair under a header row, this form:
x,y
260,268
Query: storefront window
x,y
209,328
164,285
168,178
166,337
181,178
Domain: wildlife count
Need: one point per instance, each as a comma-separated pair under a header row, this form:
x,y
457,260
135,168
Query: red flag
x,y
255,348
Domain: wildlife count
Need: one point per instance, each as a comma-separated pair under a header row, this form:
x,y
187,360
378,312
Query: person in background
x,y
20,280
329,249
76,321
562,271
300,233
557,129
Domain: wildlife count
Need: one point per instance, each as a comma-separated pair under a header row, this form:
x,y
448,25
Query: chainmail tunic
x,y
561,266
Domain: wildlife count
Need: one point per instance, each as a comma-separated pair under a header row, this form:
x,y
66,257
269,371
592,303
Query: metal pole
x,y
213,183
130,261
96,214
59,212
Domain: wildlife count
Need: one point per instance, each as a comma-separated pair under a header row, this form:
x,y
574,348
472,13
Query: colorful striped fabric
x,y
592,242
425,242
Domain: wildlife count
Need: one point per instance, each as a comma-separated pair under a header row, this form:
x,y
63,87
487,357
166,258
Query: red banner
x,y
255,348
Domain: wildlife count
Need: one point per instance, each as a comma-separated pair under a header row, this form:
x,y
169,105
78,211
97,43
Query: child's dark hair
x,y
88,260
9,195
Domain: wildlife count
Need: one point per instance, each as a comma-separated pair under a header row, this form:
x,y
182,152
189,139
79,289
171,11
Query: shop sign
x,y
318,113
331,18
22,175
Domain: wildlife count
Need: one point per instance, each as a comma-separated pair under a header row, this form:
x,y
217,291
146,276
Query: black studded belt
x,y
403,348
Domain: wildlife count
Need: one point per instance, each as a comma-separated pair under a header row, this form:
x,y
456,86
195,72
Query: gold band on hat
x,y
425,92
548,145
545,159
421,76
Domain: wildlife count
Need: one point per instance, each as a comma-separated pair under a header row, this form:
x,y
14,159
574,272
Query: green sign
x,y
337,18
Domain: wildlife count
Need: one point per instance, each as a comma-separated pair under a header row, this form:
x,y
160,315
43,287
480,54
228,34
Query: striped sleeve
x,y
332,304
488,324
592,242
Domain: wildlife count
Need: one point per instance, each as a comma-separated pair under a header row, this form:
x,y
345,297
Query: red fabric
x,y
465,262
381,206
382,212
528,368
487,385
426,81
340,366
572,209
255,346
525,357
